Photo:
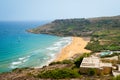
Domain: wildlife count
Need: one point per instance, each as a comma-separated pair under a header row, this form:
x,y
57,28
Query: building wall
x,y
86,70
107,70
98,71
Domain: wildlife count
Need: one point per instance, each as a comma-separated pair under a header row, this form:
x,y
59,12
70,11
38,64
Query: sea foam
x,y
15,63
57,46
49,54
19,62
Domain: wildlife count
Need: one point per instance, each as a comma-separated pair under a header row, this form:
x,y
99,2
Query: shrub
x,y
78,61
67,62
116,78
92,72
62,62
55,63
59,74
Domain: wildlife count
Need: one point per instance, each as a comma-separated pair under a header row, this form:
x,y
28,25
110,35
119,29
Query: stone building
x,y
92,62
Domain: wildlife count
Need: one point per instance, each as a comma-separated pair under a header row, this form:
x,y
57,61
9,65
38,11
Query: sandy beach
x,y
77,46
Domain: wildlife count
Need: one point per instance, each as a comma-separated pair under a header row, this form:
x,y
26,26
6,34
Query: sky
x,y
36,10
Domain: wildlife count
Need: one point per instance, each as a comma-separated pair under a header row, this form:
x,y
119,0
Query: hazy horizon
x,y
42,10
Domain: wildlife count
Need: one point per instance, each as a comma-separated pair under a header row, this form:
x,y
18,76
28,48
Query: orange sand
x,y
75,47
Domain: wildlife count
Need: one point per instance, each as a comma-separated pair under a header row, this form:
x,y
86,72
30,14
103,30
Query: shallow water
x,y
19,48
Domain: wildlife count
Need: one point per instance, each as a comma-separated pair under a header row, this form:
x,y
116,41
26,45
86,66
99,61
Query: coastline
x,y
77,46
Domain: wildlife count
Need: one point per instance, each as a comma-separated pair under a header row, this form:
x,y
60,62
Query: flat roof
x,y
94,62
105,64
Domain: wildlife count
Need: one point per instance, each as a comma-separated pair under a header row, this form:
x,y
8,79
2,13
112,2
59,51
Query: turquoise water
x,y
19,48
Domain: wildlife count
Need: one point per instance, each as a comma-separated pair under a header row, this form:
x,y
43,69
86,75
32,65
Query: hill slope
x,y
105,31
78,27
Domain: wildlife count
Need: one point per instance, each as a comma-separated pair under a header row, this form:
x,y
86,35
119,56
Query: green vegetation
x,y
92,72
116,78
78,61
53,63
67,62
71,71
67,69
105,40
105,31
59,74
94,46
62,62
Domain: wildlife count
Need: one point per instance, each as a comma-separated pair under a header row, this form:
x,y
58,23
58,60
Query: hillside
x,y
65,70
78,27
105,31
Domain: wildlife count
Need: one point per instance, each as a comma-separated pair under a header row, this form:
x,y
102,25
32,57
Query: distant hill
x,y
78,27
104,31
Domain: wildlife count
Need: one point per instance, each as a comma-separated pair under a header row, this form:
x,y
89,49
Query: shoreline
x,y
52,59
77,46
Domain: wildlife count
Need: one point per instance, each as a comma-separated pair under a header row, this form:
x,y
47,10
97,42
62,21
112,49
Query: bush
x,y
92,72
116,78
78,61
67,62
62,62
53,63
59,74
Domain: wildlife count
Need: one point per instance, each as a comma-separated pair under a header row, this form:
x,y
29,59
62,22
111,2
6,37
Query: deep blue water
x,y
19,48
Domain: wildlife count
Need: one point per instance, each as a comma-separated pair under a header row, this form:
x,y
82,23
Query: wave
x,y
15,63
56,48
61,43
52,48
19,62
42,57
22,58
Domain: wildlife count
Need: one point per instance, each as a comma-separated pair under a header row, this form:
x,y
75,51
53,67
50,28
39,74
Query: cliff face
x,y
78,27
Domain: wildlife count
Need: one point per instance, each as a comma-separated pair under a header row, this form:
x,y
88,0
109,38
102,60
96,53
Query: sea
x,y
20,49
